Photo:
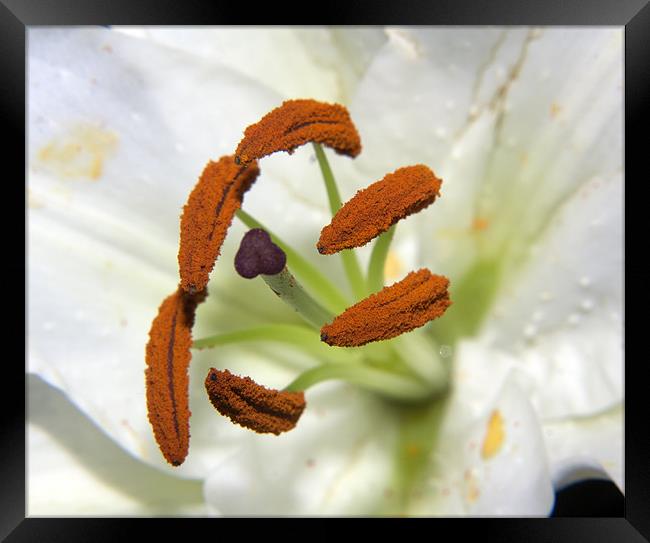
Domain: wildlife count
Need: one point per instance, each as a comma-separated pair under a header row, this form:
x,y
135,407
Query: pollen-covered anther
x,y
207,215
242,400
295,123
373,210
408,304
167,383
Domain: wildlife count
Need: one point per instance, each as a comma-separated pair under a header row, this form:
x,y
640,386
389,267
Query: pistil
x,y
258,255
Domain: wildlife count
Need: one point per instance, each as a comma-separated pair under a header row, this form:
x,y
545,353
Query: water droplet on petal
x,y
537,316
441,132
446,351
545,296
530,331
587,305
573,319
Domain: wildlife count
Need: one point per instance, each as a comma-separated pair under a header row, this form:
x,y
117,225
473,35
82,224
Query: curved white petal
x,y
560,317
74,469
559,125
423,89
111,164
424,99
583,447
508,119
318,63
336,461
489,458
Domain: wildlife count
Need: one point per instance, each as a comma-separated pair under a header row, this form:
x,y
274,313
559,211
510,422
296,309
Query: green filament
x,y
349,258
378,260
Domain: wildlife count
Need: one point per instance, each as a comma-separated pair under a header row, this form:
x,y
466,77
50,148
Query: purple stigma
x,y
258,254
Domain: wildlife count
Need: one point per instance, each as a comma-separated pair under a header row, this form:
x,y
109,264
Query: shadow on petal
x,y
52,412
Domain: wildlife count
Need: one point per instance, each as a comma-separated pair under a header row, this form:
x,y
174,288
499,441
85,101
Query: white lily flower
x,y
525,129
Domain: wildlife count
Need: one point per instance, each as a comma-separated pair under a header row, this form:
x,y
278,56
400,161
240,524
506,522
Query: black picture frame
x,y
17,15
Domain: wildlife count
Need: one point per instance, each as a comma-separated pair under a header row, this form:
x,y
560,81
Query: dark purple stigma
x,y
258,254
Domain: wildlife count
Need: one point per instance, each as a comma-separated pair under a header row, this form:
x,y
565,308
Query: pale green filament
x,y
378,260
349,258
290,292
389,384
407,369
296,335
320,285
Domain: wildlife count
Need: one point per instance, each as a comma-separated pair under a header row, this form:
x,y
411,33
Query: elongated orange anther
x,y
207,216
168,357
295,123
376,208
394,310
263,410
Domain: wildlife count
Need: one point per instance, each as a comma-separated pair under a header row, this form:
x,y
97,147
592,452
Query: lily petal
x,y
560,318
75,469
306,471
101,262
320,63
584,447
423,87
441,118
559,126
489,457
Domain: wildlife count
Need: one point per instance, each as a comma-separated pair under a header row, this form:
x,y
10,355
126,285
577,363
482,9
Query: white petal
x,y
585,447
116,143
89,316
423,89
510,477
74,469
314,63
425,99
123,125
559,126
336,461
560,317
514,121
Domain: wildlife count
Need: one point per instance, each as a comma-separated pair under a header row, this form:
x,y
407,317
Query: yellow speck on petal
x,y
555,110
393,267
524,159
494,436
479,224
413,450
472,493
78,153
